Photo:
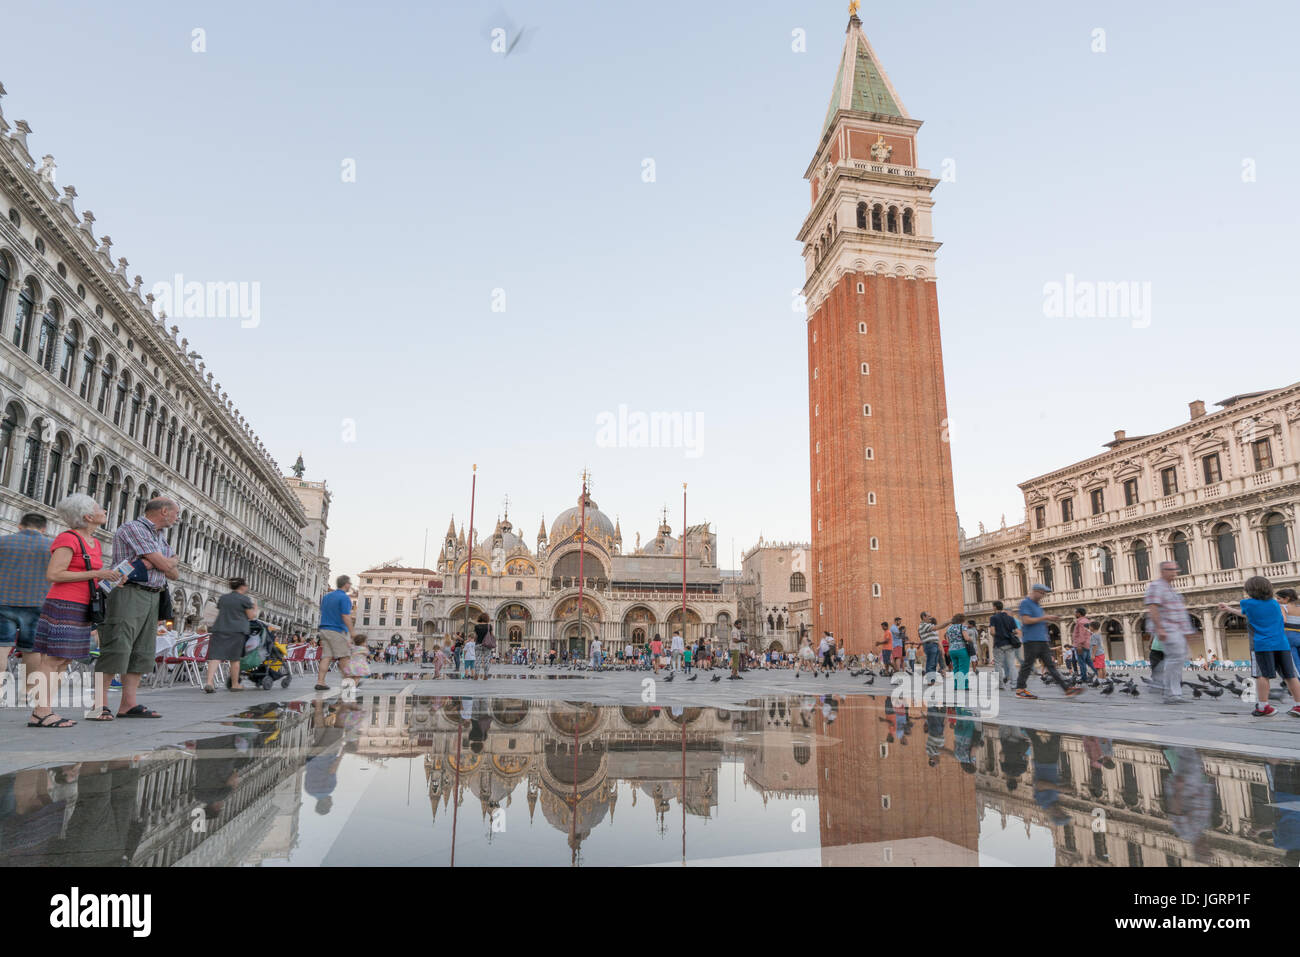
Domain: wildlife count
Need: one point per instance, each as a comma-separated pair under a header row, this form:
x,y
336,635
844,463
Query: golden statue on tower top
x,y
853,8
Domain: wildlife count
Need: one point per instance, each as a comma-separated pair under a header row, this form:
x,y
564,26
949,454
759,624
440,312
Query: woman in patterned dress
x,y
63,632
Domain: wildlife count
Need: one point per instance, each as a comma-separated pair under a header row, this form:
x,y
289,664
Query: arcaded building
x,y
884,525
1218,493
99,395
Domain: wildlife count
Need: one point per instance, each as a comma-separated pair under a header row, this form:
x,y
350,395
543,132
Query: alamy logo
x,y
1085,299
653,430
102,910
210,300
980,692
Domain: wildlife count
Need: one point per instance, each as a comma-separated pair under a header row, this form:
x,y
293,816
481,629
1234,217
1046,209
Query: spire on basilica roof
x,y
861,84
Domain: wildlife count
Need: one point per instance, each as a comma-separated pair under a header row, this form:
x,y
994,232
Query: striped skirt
x,y
63,630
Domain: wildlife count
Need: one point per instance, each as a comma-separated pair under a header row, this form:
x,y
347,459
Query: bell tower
x,y
884,523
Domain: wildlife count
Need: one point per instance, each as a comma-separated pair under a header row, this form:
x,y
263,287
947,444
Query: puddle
x,y
432,780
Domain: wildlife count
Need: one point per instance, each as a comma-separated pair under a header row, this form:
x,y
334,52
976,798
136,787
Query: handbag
x,y
165,605
489,640
97,607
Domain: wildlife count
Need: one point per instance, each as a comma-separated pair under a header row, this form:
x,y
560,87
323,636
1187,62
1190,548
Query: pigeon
x,y
1131,689
796,674
871,678
668,677
693,677
1108,687
716,678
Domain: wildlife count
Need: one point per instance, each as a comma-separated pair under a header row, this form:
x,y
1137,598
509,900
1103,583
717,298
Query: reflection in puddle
x,y
430,780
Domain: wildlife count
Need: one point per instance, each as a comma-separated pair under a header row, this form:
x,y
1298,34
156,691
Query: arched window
x,y
89,361
1181,552
76,470
137,400
8,433
124,502
1076,570
877,212
71,346
1225,543
891,220
54,471
1044,572
171,441
1106,566
96,476
798,582
6,270
977,580
22,334
1141,561
150,413
1279,549
31,460
908,226
47,343
110,489
119,402
862,215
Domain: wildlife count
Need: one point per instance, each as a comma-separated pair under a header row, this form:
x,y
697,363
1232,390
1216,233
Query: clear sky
x,y
477,171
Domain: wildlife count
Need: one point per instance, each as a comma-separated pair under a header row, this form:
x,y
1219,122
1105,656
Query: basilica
x,y
532,594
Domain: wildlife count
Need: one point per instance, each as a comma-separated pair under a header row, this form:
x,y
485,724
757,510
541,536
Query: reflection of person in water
x,y
964,739
1015,754
321,776
933,733
891,720
35,808
476,709
1047,774
105,829
217,762
1188,799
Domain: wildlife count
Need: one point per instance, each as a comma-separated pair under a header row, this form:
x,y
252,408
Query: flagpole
x,y
469,549
582,548
683,564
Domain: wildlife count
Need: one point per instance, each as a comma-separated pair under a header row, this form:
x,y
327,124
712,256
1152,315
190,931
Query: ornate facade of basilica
x,y
532,594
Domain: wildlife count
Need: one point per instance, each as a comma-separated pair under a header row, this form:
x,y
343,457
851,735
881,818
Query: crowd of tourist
x,y
61,602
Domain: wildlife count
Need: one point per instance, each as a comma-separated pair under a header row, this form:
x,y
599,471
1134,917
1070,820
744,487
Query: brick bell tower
x,y
884,521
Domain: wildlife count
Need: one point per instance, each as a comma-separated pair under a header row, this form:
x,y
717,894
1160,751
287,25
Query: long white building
x,y
1219,494
99,395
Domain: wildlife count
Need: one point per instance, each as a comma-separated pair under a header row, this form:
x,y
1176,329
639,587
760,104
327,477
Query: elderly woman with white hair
x,y
63,632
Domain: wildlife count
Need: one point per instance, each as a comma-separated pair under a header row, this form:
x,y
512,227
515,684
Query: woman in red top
x,y
656,649
64,630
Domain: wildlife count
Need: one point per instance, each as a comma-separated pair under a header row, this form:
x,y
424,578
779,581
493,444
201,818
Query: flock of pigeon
x,y
1121,682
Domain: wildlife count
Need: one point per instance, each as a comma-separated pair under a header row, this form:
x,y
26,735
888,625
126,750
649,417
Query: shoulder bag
x,y
97,607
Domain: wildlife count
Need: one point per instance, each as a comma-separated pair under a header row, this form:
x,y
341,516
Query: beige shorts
x,y
335,644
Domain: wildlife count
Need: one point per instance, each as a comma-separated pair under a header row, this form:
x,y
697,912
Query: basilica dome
x,y
566,523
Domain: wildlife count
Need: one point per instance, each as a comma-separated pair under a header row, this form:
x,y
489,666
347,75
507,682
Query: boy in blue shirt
x,y
1269,648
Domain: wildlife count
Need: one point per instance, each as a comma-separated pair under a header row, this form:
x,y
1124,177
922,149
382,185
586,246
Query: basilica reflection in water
x,y
882,786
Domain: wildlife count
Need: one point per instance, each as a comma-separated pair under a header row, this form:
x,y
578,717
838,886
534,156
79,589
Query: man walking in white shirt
x,y
678,649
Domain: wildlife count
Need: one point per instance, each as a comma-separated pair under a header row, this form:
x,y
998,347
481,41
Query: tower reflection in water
x,y
819,780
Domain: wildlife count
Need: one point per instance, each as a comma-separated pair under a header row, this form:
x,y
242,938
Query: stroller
x,y
265,663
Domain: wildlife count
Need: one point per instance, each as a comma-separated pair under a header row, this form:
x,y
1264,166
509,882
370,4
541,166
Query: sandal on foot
x,y
51,720
139,711
208,689
105,714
